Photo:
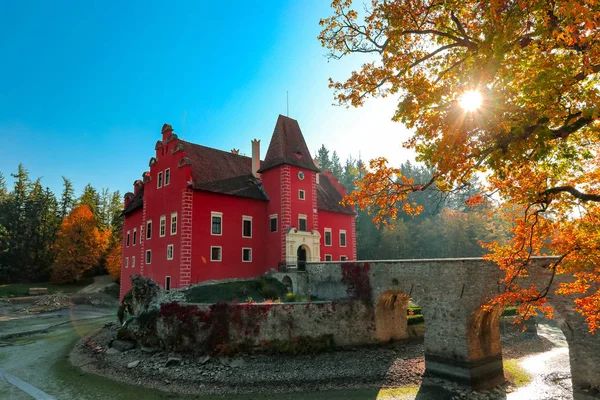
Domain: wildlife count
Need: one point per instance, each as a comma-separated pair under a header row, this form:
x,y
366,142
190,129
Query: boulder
x,y
133,364
237,363
172,361
150,350
204,360
111,351
123,345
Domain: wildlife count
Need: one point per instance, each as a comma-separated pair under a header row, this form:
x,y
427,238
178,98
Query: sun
x,y
471,100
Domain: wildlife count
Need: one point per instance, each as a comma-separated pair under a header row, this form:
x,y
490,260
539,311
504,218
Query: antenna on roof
x,y
287,103
183,133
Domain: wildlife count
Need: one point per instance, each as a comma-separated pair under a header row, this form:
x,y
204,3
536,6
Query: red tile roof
x,y
328,197
222,172
229,173
287,147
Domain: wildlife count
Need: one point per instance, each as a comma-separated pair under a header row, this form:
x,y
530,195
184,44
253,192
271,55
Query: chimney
x,y
137,187
316,161
128,198
255,157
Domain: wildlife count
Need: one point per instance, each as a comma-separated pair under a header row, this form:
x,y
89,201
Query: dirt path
x,y
100,283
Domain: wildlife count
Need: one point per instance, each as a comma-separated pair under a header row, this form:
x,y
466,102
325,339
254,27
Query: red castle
x,y
205,214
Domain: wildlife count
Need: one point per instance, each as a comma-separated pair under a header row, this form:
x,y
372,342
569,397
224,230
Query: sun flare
x,y
471,100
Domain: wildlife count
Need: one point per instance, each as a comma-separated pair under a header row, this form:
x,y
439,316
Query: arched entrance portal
x,y
302,254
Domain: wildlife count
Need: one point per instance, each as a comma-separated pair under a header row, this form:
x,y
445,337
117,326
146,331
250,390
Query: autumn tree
x,y
113,257
504,89
79,245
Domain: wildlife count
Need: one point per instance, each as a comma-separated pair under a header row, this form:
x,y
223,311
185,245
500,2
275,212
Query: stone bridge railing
x,y
462,341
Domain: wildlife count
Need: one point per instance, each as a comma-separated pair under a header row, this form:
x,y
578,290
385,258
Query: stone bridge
x,y
462,341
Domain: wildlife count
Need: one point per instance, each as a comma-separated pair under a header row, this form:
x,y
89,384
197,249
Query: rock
x,y
204,360
162,370
224,360
111,351
150,350
133,364
171,361
237,363
123,345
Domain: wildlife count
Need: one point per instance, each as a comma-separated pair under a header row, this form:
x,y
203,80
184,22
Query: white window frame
x,y
167,175
274,217
132,261
244,219
162,227
159,181
148,253
301,194
245,248
128,239
330,257
345,238
168,278
220,253
126,262
134,236
325,231
173,214
305,218
212,215
149,229
344,258
170,246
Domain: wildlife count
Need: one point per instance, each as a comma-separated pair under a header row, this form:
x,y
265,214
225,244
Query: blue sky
x,y
86,85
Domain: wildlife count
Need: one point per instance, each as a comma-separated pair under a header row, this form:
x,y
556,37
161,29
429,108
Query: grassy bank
x,y
252,290
22,289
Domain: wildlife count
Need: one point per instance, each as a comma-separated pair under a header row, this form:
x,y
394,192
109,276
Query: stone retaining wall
x,y
205,328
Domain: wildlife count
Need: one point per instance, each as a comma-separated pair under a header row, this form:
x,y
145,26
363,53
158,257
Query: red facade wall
x,y
337,222
231,240
271,180
162,202
133,220
302,206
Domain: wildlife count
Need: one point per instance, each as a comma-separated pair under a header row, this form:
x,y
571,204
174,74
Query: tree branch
x,y
573,192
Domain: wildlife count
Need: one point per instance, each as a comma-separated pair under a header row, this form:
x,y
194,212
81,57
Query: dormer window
x,y
167,176
160,180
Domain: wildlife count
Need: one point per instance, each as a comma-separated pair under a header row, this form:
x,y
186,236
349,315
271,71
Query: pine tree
x,y
90,198
323,157
336,166
116,219
67,198
349,174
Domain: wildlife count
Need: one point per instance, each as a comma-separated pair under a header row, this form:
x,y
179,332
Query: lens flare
x,y
471,100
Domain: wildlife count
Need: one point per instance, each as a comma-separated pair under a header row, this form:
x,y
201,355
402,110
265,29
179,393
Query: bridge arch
x,y
390,316
289,284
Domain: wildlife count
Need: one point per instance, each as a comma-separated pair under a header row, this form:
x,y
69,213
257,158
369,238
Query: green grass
x,y
256,290
515,373
22,289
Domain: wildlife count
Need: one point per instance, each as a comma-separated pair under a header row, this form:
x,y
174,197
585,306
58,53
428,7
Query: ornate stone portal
x,y
302,247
